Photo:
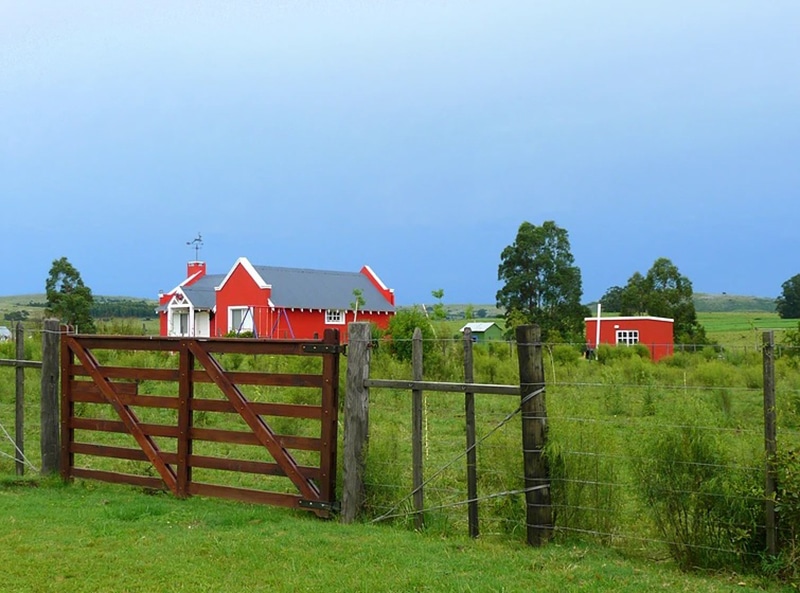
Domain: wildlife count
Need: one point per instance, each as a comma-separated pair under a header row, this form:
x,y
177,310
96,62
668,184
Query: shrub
x,y
704,511
787,509
401,331
681,360
565,354
607,353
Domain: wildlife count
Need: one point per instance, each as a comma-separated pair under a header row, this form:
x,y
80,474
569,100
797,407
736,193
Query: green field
x,y
91,537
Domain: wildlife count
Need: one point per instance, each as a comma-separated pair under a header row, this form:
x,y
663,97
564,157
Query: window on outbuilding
x,y
627,337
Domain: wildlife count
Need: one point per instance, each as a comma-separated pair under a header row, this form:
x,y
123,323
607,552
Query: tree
x,y
542,284
68,298
633,300
358,303
439,312
612,299
665,292
788,304
16,315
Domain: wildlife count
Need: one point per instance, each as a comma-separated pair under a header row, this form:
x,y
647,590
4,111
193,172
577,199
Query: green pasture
x,y
602,415
743,329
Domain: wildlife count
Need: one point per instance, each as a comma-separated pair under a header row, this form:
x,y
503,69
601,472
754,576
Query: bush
x,y
787,509
565,354
607,353
705,512
401,331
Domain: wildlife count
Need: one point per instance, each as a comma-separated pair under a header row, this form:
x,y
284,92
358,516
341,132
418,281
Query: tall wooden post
x,y
19,425
770,442
416,428
183,468
539,511
472,457
356,420
51,351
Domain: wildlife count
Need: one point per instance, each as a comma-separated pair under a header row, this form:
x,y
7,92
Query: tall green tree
x,y
68,298
633,300
542,283
665,292
612,299
788,304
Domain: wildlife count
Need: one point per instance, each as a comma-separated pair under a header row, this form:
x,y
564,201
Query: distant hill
x,y
725,303
29,307
703,303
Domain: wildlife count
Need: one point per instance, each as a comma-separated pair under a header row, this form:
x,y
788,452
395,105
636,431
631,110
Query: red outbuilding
x,y
653,332
273,302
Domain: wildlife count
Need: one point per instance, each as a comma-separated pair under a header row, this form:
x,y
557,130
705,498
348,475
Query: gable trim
x,y
248,267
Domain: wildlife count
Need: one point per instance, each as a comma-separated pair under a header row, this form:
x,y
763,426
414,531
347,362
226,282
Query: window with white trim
x,y
627,337
240,319
334,317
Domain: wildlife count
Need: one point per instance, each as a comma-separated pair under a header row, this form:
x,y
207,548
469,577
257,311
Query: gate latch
x,y
320,505
324,348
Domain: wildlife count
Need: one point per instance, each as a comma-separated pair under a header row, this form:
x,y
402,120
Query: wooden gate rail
x,y
85,380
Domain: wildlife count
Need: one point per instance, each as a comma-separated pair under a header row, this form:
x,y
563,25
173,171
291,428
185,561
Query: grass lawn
x,y
97,537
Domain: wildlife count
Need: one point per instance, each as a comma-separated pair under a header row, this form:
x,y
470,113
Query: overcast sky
x,y
413,136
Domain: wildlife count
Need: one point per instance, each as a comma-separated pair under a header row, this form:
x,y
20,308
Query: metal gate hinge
x,y
333,507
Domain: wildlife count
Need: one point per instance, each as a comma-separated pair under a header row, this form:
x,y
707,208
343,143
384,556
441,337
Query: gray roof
x,y
201,294
317,289
5,332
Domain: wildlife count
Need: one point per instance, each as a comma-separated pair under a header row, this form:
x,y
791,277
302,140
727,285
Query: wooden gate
x,y
204,416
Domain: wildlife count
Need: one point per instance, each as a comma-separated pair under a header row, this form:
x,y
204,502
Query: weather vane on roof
x,y
198,243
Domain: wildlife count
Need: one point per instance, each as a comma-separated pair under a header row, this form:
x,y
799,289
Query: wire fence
x,y
661,458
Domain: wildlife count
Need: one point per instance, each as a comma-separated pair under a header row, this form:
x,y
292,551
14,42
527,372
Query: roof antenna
x,y
198,243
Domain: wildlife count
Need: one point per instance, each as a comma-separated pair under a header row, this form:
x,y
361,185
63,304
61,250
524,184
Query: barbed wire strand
x,y
24,459
459,503
464,453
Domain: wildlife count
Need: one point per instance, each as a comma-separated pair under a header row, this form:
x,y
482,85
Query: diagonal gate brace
x,y
128,417
265,435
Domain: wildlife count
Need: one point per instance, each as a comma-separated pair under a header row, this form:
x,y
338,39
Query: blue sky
x,y
412,136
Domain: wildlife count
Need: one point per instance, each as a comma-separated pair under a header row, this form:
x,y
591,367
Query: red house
x,y
272,302
653,332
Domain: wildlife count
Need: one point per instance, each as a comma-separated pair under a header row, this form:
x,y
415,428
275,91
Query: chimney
x,y
193,267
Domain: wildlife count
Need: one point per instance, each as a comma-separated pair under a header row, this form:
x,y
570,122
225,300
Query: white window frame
x,y
247,319
183,323
627,337
334,317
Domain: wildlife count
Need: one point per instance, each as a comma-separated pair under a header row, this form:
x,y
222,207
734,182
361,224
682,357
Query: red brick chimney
x,y
193,267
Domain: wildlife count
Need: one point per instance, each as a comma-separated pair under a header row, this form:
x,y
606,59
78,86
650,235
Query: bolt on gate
x,y
246,419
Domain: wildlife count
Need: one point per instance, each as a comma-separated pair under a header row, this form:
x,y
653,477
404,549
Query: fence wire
x,y
603,438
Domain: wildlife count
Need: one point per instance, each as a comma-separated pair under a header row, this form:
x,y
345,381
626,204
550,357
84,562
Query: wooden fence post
x,y
19,425
539,512
416,427
356,420
770,441
472,457
51,350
